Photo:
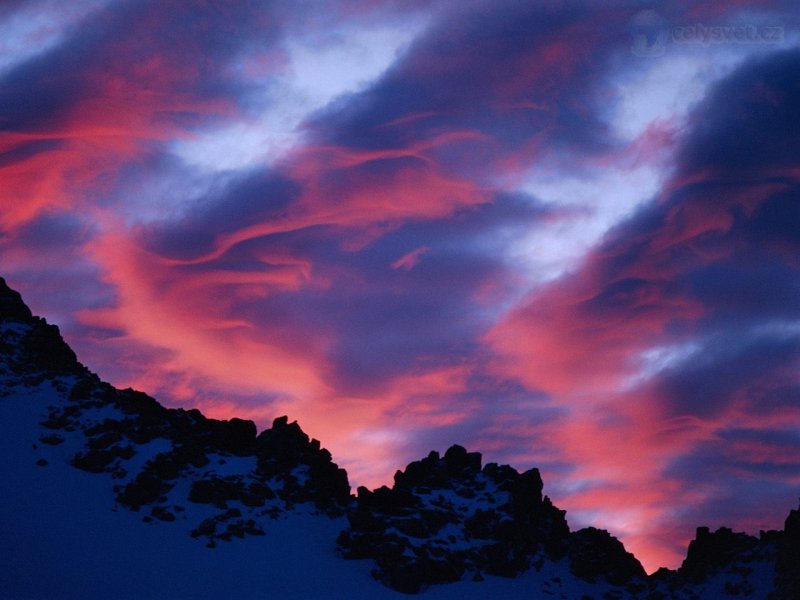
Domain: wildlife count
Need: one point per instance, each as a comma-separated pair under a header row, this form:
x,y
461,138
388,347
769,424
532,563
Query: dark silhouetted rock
x,y
162,514
594,553
236,436
458,461
787,564
307,470
446,516
710,551
12,308
146,488
99,460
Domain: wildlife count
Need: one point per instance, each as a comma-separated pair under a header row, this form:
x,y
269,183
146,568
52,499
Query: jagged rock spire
x,y
12,308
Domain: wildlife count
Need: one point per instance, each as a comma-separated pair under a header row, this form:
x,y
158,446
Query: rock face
x,y
446,518
12,308
595,553
37,351
725,563
709,552
787,564
148,450
316,478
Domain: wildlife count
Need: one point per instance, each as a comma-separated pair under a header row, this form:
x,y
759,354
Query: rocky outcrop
x,y
447,517
595,554
787,562
708,552
12,307
307,470
148,449
725,563
38,344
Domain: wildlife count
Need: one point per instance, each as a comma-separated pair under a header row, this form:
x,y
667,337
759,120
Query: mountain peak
x,y
447,518
12,308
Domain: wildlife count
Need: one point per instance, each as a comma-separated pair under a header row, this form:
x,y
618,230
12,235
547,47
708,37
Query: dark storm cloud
x,y
735,254
746,472
689,308
781,395
233,203
365,281
720,374
51,232
151,48
727,245
750,121
510,73
745,289
26,150
499,417
383,320
10,6
730,245
35,95
743,268
53,264
775,225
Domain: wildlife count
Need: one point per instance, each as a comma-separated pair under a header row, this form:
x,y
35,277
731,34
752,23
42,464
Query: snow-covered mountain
x,y
106,493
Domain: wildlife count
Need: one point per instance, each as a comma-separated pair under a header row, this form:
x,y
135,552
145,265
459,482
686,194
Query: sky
x,y
563,234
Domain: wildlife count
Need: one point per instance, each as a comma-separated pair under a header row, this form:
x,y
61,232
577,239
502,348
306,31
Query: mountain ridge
x,y
446,519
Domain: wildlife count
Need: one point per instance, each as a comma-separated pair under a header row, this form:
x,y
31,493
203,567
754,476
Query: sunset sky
x,y
566,235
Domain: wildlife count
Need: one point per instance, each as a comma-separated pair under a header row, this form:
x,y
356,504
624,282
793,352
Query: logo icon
x,y
650,34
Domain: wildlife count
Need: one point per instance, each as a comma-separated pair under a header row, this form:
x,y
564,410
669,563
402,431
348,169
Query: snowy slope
x,y
63,535
72,446
108,494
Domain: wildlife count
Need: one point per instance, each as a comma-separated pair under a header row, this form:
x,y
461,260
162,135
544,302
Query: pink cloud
x,y
410,260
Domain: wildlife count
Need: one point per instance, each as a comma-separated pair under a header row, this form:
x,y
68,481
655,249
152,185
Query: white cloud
x,y
38,27
656,90
317,68
592,202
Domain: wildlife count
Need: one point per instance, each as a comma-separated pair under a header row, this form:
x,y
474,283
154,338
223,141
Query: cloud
x,y
485,232
520,77
410,260
751,127
685,313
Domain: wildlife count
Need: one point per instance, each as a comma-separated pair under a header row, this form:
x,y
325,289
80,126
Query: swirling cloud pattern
x,y
565,235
